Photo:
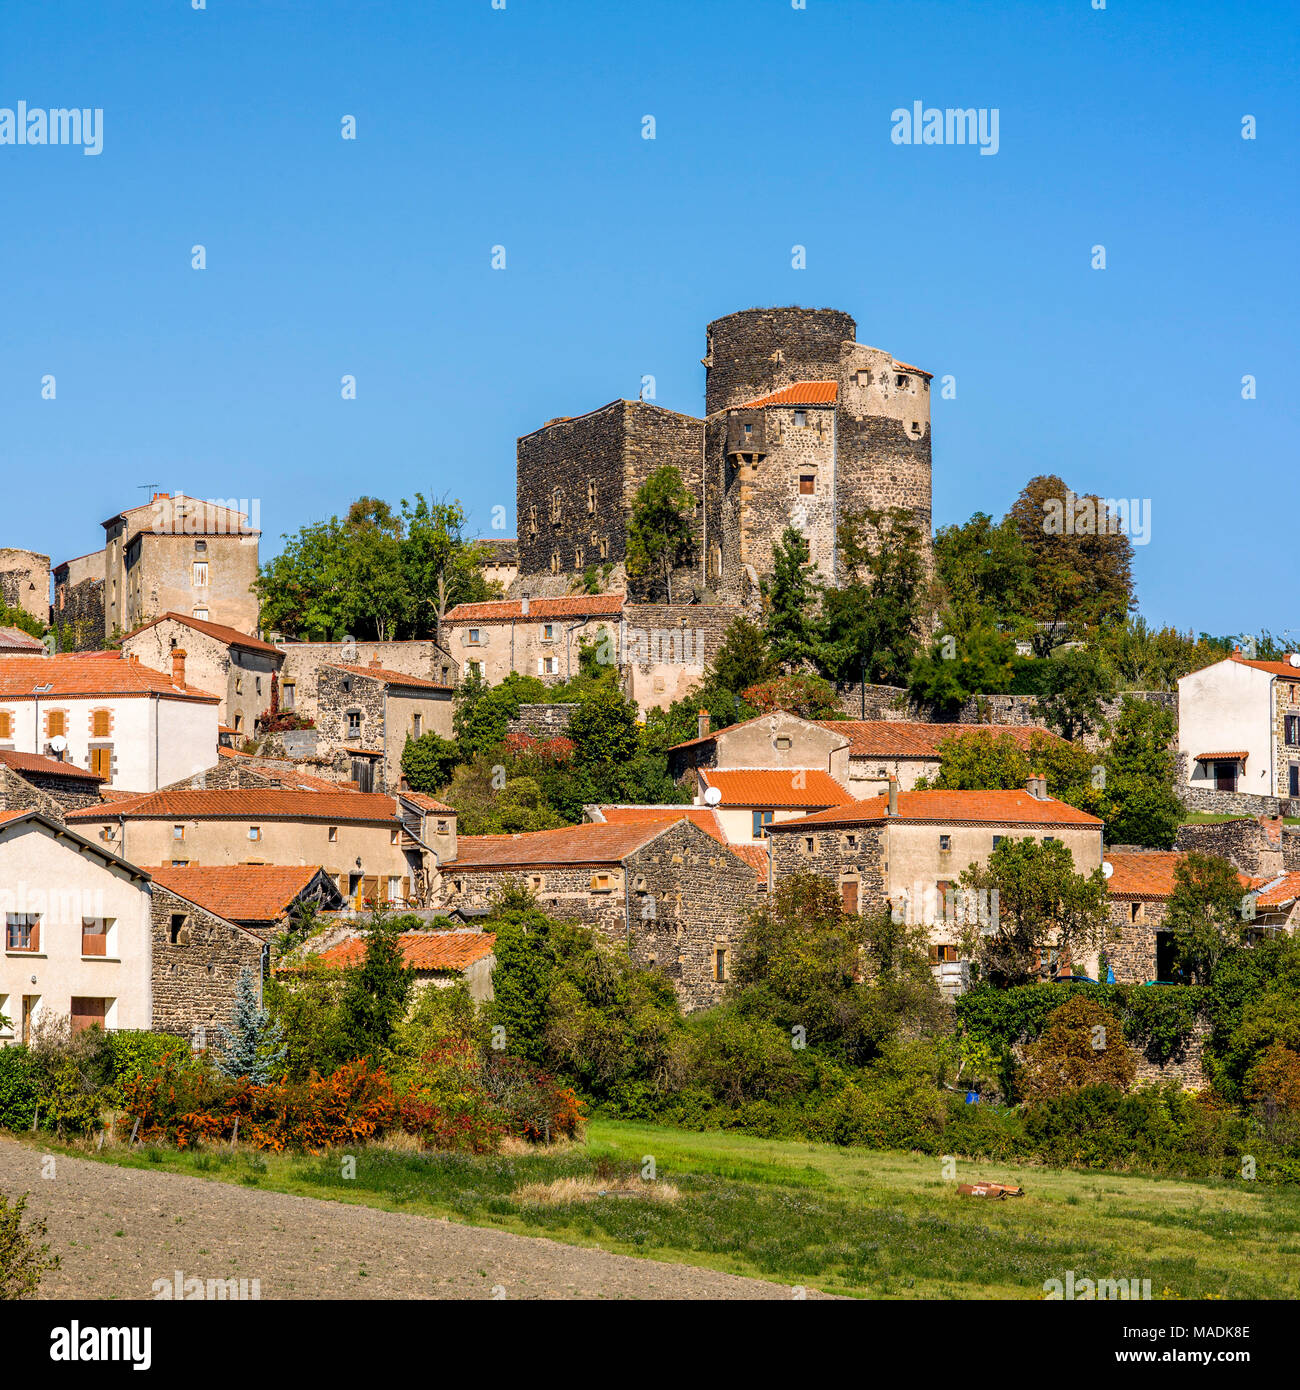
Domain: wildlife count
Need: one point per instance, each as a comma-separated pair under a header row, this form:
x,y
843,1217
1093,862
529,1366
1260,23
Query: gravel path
x,y
119,1229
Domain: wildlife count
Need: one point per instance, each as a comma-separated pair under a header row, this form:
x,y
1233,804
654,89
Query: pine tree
x,y
375,999
790,593
253,1045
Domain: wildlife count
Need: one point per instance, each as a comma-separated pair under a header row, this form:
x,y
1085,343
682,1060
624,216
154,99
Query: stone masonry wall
x,y
194,979
542,721
838,854
25,582
1256,849
79,616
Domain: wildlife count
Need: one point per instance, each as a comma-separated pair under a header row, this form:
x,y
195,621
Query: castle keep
x,y
802,425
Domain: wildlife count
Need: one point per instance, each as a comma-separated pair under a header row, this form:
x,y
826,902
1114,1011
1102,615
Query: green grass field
x,y
854,1221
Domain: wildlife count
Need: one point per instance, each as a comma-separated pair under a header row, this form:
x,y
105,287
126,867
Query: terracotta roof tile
x,y
801,393
775,787
1274,668
387,677
48,767
1147,873
1236,756
539,609
229,636
1280,892
705,817
991,808
271,804
421,950
907,367
73,677
15,639
571,844
428,803
884,738
239,892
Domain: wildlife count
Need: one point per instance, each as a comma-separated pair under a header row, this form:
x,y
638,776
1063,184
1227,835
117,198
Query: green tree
x,y
660,527
979,661
789,593
24,1256
1080,562
984,572
376,994
428,761
742,659
1204,915
604,729
1077,685
1043,908
810,697
440,568
873,620
253,1045
1082,1044
1141,807
523,974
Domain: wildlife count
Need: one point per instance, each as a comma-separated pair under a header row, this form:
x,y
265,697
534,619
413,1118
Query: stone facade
x,y
663,648
542,721
25,582
303,661
197,960
50,793
78,612
1253,844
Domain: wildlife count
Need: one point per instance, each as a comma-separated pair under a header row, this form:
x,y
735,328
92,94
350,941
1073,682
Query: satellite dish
x,y
712,796
1294,659
58,743
1107,870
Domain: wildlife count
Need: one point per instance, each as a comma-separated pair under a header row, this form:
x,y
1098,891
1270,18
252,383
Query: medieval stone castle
x,y
802,425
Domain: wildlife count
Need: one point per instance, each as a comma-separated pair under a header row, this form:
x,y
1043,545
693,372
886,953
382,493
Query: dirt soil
x,y
120,1229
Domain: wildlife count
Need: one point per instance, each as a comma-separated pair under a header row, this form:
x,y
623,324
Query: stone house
x,y
89,937
1239,736
65,785
534,636
1277,903
258,897
25,582
134,727
1255,844
303,661
367,713
177,554
1138,888
499,560
909,849
240,668
439,959
674,896
708,818
371,846
779,741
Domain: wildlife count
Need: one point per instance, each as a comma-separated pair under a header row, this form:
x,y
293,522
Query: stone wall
x,y
18,794
79,615
194,978
542,721
757,351
853,854
1254,846
1131,945
25,582
303,662
665,648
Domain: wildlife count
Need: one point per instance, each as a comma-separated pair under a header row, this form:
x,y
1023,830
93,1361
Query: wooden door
x,y
29,1010
1225,777
849,896
86,1012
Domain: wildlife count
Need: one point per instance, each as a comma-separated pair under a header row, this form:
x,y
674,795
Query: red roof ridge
x,y
798,393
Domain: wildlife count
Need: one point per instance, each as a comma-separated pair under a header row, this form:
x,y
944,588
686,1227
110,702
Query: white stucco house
x,y
137,728
1239,735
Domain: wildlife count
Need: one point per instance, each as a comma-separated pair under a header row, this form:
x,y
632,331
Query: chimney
x,y
1037,786
893,795
178,665
375,663
703,723
523,606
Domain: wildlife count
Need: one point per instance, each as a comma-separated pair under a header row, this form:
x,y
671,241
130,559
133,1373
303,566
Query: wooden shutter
x,y
101,762
6,724
56,722
849,896
86,1012
99,724
370,889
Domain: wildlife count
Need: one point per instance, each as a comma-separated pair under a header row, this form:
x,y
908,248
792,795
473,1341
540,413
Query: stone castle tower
x,y
802,425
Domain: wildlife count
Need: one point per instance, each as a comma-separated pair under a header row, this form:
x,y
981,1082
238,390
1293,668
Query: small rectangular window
x,y
762,819
416,723
720,965
945,842
200,573
801,417
333,834
807,484
23,931
178,832
175,929
254,832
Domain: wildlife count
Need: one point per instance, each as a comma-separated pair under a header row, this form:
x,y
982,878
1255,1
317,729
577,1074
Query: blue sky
x,y
522,127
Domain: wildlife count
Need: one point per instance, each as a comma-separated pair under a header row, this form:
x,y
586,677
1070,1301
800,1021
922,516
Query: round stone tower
x,y
757,351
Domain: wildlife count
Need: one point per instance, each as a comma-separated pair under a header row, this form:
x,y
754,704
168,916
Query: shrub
x,y
19,1088
1082,1045
24,1257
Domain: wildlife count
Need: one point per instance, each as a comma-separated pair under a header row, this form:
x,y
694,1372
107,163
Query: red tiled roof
x,y
13,815
802,786
387,677
229,636
756,856
571,844
271,804
239,892
907,367
1274,668
1283,891
1147,873
1239,756
726,728
705,817
48,767
801,393
72,677
421,950
984,808
428,803
884,738
15,639
539,609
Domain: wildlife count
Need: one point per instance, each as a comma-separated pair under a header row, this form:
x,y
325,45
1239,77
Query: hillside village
x,y
722,654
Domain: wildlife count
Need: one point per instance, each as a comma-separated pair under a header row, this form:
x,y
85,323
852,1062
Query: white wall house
x,y
1239,733
138,728
76,924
